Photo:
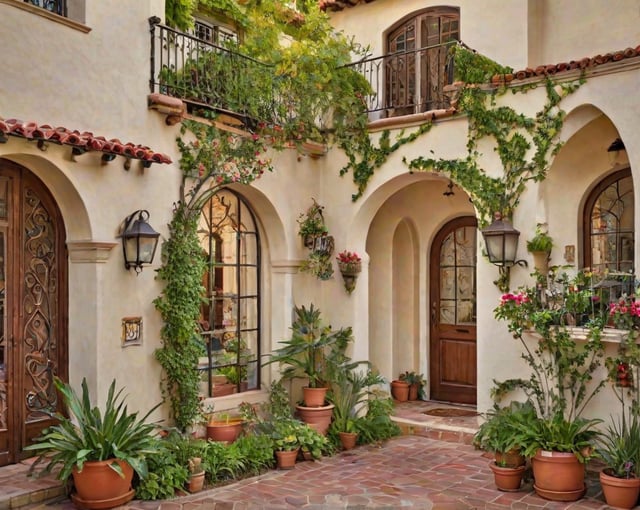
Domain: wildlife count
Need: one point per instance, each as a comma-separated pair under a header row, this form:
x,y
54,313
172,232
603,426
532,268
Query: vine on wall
x,y
210,159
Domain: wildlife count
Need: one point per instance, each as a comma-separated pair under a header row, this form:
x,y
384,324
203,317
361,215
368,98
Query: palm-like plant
x,y
311,347
89,434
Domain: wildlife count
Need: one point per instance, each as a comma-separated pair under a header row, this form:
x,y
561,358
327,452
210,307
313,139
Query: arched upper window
x,y
416,69
230,316
609,225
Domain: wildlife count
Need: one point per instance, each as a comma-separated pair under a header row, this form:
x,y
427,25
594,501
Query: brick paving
x,y
433,469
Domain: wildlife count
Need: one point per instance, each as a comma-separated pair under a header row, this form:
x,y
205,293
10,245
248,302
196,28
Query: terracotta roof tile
x,y
81,142
581,63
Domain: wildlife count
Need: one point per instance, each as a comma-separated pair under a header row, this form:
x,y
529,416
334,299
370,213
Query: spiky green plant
x,y
89,434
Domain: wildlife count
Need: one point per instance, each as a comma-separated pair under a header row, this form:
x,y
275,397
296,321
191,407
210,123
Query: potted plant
x,y
559,385
619,449
224,427
400,390
500,434
540,246
100,449
285,442
196,474
312,347
311,224
416,384
349,393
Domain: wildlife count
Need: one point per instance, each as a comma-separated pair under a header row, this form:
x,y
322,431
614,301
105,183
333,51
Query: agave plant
x,y
88,434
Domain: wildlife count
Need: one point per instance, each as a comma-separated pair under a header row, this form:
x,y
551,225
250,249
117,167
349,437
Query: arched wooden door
x,y
33,308
452,367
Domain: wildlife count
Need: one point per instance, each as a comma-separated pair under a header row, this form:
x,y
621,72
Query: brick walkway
x,y
433,467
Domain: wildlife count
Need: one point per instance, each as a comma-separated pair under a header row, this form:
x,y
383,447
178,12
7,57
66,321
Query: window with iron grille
x,y
609,232
417,66
230,315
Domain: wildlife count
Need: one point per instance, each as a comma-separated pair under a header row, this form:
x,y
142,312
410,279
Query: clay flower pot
x,y
400,390
348,440
619,492
506,478
286,459
559,476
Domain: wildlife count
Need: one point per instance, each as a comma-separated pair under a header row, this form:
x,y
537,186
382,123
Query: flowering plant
x,y
625,313
348,257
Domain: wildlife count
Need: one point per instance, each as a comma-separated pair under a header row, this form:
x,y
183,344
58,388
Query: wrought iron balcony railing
x,y
209,76
55,6
409,81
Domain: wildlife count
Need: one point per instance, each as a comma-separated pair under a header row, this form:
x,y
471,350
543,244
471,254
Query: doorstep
x,y
412,420
18,489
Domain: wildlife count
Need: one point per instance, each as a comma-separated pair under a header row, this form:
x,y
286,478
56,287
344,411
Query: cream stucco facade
x,y
94,76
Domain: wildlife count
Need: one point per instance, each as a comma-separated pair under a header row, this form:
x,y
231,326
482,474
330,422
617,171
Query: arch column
x,y
86,281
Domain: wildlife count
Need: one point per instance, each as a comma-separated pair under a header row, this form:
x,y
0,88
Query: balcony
x,y
206,76
55,6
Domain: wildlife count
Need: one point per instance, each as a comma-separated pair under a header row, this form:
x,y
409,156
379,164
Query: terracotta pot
x,y
314,397
98,482
225,431
221,390
317,417
619,492
507,479
510,459
558,476
541,261
400,390
413,391
348,440
286,459
196,482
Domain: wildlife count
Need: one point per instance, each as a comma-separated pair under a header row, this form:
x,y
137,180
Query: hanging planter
x,y
350,266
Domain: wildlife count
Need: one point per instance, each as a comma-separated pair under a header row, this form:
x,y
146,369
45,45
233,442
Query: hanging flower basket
x,y
350,266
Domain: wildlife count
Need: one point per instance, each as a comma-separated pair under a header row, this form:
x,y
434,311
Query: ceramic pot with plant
x,y
540,246
100,448
416,384
619,449
400,390
224,427
311,347
196,475
559,440
286,443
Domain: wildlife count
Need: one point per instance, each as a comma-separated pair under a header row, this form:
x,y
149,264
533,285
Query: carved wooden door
x,y
33,311
452,351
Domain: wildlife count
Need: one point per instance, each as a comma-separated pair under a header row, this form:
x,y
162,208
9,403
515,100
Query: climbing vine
x,y
210,159
524,144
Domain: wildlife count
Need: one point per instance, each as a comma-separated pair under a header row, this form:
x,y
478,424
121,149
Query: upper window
x,y
56,6
417,65
609,225
230,315
214,32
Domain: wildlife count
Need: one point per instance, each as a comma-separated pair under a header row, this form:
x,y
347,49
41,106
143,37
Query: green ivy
x,y
209,160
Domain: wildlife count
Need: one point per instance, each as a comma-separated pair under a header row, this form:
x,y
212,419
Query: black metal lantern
x,y
501,240
139,240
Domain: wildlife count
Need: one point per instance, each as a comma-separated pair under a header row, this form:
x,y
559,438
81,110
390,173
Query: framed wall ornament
x,y
131,331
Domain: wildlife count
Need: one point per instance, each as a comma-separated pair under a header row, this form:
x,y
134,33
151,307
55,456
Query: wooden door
x,y
453,312
33,346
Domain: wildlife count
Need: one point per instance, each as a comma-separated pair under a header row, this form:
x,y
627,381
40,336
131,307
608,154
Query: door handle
x,y
434,314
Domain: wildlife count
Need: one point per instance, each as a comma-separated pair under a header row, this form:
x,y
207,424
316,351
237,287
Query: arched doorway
x,y
452,350
33,308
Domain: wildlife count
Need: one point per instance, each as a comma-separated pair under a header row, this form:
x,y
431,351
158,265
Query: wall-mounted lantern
x,y
501,241
139,240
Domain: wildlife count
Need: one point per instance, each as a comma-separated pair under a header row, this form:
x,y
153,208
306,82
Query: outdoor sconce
x,y
139,240
501,241
614,151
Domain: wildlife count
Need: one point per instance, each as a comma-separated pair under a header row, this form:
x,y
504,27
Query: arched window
x,y
416,69
609,225
230,317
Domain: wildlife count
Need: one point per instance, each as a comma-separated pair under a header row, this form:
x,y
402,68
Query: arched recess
x,y
405,288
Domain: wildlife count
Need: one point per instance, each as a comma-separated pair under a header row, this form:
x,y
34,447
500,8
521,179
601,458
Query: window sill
x,y
609,335
39,11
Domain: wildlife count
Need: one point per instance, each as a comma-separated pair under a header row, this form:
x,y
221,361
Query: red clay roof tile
x,y
84,141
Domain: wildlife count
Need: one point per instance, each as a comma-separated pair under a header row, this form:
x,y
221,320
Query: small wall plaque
x,y
131,331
